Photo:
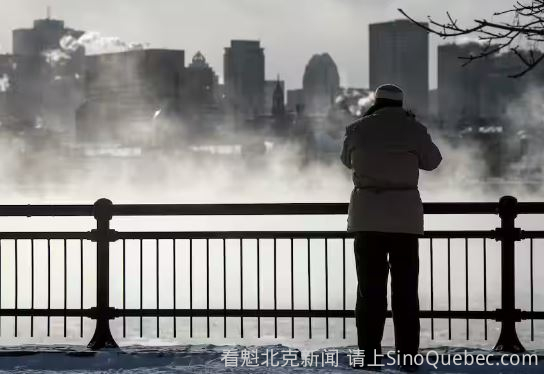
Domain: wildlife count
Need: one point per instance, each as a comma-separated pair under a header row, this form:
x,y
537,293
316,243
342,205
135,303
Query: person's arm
x,y
345,156
428,153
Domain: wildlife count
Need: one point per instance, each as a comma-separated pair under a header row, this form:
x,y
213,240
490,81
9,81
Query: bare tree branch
x,y
526,25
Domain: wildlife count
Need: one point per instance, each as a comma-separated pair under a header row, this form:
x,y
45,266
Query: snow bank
x,y
208,359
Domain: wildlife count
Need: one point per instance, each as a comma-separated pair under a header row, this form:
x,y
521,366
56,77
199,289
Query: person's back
x,y
385,149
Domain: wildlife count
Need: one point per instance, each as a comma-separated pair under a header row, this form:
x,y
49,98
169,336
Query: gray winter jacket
x,y
386,151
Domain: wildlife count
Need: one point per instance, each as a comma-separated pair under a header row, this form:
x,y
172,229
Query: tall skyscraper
x,y
124,90
200,83
320,83
47,83
244,77
459,87
399,54
481,89
45,35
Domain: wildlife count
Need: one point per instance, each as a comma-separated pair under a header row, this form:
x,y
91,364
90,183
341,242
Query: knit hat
x,y
389,91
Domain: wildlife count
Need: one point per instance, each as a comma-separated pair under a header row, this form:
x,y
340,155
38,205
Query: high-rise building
x,y
501,92
321,83
481,89
125,90
200,83
44,36
244,77
460,85
399,54
47,84
270,90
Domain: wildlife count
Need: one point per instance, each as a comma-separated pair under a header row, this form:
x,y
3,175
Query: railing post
x,y
508,234
102,337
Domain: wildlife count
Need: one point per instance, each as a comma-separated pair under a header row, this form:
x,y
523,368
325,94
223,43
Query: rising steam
x,y
4,83
93,43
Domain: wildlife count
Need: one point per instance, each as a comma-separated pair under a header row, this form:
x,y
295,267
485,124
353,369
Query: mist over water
x,y
278,176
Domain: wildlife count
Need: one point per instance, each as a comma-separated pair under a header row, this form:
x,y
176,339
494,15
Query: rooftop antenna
x,y
48,12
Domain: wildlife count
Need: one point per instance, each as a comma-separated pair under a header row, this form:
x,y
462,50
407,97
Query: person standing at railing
x,y
385,149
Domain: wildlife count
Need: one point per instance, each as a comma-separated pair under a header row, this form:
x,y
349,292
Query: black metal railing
x,y
103,211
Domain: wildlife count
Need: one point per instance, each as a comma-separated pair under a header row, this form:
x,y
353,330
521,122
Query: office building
x,y
245,77
321,84
399,54
124,91
200,84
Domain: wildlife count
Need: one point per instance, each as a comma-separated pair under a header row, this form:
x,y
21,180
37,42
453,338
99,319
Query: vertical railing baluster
x,y
141,287
65,283
241,289
48,286
432,285
485,286
0,285
275,294
207,287
466,288
16,285
191,287
158,281
81,287
449,288
326,289
344,286
292,293
32,286
124,289
174,286
309,290
224,289
258,288
531,274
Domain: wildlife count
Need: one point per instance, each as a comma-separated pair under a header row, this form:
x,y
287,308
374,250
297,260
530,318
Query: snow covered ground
x,y
210,359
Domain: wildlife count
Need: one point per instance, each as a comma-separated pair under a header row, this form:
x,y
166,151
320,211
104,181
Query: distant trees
x,y
519,29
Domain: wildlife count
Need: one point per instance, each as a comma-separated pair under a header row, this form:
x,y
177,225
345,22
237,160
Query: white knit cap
x,y
389,91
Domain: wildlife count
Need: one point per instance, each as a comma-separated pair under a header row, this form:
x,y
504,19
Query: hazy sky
x,y
289,30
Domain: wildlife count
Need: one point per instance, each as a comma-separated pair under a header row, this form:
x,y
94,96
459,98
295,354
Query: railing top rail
x,y
285,209
248,209
46,210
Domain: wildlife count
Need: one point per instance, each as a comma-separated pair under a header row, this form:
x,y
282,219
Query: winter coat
x,y
385,150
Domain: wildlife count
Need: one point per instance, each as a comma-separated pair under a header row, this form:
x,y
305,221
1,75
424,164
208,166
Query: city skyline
x,y
272,23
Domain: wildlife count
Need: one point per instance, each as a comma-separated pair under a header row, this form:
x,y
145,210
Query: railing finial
x,y
508,207
102,209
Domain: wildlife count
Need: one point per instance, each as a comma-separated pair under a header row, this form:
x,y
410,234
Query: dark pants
x,y
372,250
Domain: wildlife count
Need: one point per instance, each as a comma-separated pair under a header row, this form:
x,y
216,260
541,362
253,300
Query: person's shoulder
x,y
359,124
419,126
352,127
411,117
